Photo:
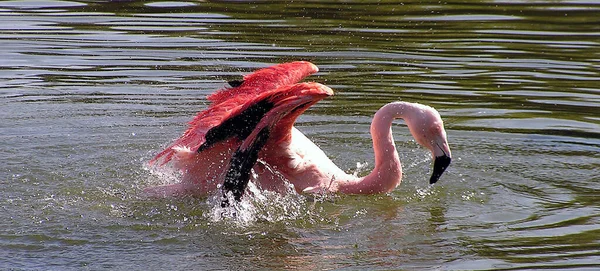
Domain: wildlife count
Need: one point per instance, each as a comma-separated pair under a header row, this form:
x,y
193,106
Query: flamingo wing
x,y
264,79
285,104
231,106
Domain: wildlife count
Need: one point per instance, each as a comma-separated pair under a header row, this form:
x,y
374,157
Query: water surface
x,y
90,91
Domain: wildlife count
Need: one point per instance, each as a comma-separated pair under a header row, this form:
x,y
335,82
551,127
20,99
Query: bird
x,y
249,127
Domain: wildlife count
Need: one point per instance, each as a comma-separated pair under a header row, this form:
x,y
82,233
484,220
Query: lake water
x,y
90,91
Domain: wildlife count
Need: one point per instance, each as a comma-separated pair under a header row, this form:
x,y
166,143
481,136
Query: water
x,y
90,91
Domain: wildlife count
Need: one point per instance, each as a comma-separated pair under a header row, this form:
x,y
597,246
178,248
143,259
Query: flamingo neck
x,y
387,173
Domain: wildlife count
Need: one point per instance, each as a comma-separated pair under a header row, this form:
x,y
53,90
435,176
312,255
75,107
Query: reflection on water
x,y
89,91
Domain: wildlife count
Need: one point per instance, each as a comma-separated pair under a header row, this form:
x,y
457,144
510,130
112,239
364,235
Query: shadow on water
x,y
91,90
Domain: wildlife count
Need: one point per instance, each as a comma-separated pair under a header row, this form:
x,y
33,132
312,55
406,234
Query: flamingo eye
x,y
435,128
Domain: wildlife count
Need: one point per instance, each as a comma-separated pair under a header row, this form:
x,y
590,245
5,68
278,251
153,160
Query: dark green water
x,y
90,91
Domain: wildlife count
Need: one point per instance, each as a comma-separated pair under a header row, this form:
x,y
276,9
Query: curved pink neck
x,y
387,173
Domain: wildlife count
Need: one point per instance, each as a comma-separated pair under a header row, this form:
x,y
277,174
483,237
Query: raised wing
x,y
232,107
286,104
264,79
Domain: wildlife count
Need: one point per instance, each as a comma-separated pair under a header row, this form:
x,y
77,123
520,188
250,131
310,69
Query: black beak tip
x,y
433,180
440,165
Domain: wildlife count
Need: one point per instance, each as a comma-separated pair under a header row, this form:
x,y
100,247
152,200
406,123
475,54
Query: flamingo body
x,y
253,121
234,135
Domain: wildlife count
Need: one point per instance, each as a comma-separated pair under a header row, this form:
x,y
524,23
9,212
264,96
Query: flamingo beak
x,y
439,166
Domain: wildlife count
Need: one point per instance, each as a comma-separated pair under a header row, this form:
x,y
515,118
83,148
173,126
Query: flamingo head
x,y
427,128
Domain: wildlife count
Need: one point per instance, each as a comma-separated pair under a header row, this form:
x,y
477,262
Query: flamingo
x,y
249,127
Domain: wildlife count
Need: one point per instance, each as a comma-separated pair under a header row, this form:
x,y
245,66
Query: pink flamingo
x,y
253,121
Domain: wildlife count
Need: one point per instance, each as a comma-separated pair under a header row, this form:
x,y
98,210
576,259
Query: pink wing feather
x,y
229,102
265,79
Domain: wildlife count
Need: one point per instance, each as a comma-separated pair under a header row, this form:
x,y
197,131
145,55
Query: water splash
x,y
258,205
425,192
162,175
